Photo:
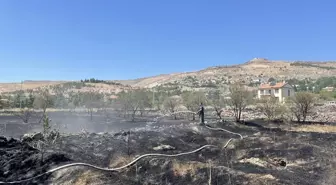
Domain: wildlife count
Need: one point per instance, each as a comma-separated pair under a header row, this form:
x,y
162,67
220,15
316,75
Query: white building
x,y
280,90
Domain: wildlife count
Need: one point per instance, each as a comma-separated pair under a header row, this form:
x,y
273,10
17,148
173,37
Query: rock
x,y
3,141
32,137
280,162
257,134
163,148
255,161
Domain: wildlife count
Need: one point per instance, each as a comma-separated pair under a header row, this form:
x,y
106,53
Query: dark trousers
x,y
201,116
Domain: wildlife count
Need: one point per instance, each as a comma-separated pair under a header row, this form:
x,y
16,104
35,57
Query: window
x,y
288,92
270,91
276,90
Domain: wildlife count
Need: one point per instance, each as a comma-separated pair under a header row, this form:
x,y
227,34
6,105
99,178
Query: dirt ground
x,y
269,153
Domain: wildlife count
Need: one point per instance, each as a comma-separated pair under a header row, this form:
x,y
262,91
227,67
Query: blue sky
x,y
126,39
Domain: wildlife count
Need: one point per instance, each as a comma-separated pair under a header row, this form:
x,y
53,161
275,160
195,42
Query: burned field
x,y
264,156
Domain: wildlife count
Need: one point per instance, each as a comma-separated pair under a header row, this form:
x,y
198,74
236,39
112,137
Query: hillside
x,y
68,86
29,84
251,71
254,71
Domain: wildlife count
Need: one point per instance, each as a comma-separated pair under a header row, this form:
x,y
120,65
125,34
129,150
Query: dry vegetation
x,y
252,70
191,168
9,87
315,128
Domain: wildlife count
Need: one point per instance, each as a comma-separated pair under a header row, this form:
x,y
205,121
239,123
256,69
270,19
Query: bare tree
x,y
217,101
171,104
24,113
106,109
302,104
92,100
239,98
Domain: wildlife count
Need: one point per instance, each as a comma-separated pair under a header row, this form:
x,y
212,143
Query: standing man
x,y
201,114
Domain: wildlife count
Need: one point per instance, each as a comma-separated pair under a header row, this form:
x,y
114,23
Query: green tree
x,y
302,104
144,97
270,107
133,101
17,101
326,95
239,98
31,100
2,103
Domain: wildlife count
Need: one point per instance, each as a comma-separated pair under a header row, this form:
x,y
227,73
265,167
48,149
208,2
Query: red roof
x,y
275,86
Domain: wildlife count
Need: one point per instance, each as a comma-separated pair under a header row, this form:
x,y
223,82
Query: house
x,y
281,90
329,89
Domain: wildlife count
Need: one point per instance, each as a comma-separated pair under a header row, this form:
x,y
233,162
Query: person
x,y
201,114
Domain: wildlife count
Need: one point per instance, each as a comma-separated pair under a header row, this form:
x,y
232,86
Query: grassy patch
x,y
120,161
315,128
88,177
183,168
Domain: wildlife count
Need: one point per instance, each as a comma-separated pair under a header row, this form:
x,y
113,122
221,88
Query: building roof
x,y
272,86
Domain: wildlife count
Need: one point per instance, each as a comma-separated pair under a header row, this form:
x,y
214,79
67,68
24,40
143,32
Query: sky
x,y
128,39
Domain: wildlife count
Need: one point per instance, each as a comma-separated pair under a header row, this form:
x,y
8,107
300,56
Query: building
x,y
329,89
281,90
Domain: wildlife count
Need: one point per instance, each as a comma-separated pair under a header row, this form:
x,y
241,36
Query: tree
x,y
60,100
106,109
302,105
30,102
269,107
122,103
171,104
91,101
159,97
327,95
271,80
192,100
217,101
43,100
239,98
134,101
144,99
2,103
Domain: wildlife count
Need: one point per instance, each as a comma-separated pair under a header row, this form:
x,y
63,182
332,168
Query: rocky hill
x,y
253,71
257,69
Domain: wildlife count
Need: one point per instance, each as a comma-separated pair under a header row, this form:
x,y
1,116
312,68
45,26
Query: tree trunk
x,y
304,118
133,115
219,114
